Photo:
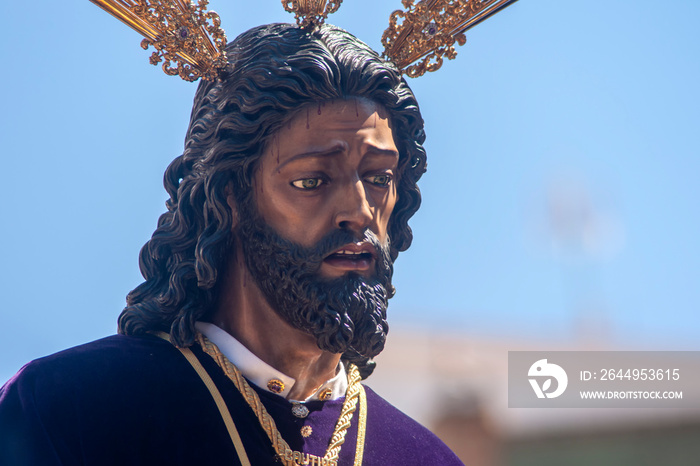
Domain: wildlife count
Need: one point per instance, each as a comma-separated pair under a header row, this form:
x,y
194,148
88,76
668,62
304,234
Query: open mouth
x,y
350,255
356,256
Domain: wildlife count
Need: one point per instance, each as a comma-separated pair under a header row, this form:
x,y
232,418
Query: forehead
x,y
347,119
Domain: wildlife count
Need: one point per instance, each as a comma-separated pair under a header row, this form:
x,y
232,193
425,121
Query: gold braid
x,y
341,427
268,424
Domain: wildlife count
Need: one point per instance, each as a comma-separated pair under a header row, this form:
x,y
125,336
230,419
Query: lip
x,y
358,257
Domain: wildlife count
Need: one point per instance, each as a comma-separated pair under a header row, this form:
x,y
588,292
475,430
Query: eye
x,y
381,180
308,183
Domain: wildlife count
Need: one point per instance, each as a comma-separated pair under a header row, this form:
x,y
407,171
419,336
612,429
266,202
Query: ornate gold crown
x,y
190,42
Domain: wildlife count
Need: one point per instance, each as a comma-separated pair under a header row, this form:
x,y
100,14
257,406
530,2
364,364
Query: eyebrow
x,y
336,149
383,152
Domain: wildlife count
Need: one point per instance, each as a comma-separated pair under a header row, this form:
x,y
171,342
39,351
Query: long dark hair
x,y
274,71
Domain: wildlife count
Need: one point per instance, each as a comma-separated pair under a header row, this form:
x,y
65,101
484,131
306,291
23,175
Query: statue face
x,y
332,167
315,241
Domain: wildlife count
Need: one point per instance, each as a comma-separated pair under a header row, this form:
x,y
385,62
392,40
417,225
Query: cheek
x,y
301,221
385,210
269,202
273,207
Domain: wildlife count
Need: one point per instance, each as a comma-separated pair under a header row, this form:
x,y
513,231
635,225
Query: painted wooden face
x,y
333,166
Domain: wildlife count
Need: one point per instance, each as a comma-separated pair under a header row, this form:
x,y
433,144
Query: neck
x,y
244,313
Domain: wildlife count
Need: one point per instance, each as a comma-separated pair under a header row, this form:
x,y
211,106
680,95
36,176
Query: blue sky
x,y
560,204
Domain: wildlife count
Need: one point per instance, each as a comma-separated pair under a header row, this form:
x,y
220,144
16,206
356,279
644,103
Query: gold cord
x,y
289,457
361,426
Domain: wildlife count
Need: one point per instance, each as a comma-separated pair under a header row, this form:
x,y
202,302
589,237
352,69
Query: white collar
x,y
259,372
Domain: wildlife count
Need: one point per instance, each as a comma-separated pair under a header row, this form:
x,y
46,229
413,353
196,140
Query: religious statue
x,y
267,279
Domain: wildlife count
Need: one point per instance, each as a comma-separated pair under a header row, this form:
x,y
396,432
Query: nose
x,y
353,212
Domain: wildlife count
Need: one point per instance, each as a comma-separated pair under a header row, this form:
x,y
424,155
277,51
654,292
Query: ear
x,y
231,201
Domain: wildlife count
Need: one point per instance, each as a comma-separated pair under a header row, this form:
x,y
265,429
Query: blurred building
x,y
457,387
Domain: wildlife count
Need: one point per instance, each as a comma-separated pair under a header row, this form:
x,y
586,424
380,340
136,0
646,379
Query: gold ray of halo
x,y
309,13
187,38
428,30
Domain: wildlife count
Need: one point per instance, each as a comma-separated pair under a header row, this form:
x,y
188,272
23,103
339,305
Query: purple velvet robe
x,y
137,401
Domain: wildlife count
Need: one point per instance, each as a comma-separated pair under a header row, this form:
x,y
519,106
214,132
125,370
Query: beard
x,y
345,315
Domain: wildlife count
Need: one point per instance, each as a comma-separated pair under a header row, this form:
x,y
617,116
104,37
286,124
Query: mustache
x,y
339,238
